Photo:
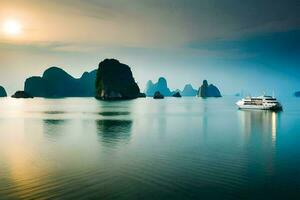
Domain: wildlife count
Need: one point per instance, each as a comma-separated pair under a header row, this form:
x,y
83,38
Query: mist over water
x,y
77,148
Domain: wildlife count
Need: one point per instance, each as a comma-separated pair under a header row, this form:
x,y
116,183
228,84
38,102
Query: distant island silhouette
x,y
2,92
111,81
188,91
56,83
161,86
208,90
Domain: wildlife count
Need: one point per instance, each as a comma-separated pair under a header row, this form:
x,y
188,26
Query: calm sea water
x,y
188,148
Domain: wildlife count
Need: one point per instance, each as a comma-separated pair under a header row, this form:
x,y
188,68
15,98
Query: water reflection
x,y
261,122
109,113
260,132
274,127
160,148
205,122
54,128
53,112
114,131
20,158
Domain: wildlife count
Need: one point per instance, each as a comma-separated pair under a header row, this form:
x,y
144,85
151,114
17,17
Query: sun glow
x,y
12,27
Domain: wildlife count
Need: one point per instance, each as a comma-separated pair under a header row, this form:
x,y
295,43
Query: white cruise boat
x,y
261,103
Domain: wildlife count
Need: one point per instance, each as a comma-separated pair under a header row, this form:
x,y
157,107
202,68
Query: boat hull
x,y
253,107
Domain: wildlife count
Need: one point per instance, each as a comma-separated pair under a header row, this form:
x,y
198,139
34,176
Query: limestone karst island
x,y
111,81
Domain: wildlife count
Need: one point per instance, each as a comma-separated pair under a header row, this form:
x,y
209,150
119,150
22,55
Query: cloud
x,y
45,48
275,44
156,23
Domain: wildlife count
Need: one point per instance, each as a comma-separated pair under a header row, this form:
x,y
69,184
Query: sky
x,y
253,46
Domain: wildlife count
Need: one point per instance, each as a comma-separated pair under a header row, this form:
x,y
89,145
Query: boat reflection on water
x,y
259,130
261,122
274,126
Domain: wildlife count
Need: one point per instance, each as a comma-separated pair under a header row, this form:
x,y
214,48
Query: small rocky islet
x,y
177,94
158,95
22,95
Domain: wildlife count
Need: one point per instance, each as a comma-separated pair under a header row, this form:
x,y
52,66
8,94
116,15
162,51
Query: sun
x,y
12,27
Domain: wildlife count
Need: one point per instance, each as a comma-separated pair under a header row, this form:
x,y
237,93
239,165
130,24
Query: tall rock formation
x,y
56,83
208,90
115,81
160,86
2,92
189,91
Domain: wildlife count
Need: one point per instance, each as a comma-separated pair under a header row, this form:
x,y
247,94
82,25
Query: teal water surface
x,y
187,148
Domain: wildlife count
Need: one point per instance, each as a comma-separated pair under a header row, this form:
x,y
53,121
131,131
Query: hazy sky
x,y
252,45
